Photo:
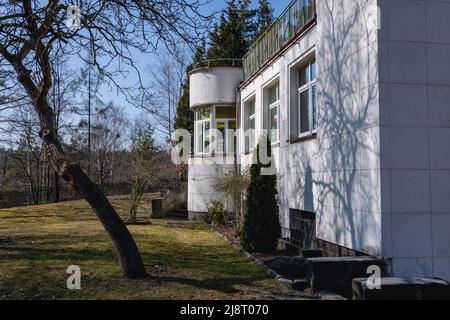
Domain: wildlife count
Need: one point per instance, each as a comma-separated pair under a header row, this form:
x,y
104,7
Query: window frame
x,y
312,103
249,117
270,107
212,146
226,122
202,123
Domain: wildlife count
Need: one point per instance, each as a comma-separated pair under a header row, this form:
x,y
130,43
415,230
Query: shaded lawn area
x,y
186,260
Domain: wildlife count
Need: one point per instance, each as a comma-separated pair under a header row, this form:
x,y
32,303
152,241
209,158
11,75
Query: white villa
x,y
356,95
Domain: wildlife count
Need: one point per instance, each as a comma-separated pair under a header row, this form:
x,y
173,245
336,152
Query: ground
x,y
186,260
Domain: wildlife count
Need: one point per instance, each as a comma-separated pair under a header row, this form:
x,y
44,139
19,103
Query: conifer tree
x,y
232,36
262,228
264,16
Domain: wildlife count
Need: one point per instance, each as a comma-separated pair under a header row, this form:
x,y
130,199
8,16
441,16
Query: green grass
x,y
185,260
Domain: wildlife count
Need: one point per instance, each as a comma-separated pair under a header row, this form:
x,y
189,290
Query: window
x,y
220,141
226,126
202,129
250,126
273,96
307,99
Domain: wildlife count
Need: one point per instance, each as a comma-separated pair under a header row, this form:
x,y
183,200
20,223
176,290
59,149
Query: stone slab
x,y
336,273
402,289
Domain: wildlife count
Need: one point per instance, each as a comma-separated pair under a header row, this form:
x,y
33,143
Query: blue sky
x,y
151,59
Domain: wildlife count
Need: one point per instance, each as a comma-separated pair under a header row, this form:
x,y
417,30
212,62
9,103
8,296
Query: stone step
x,y
402,289
298,251
335,274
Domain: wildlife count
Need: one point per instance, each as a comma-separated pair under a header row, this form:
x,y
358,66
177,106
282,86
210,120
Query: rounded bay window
x,y
215,128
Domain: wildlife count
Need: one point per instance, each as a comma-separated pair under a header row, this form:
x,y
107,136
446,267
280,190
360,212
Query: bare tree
x,y
145,166
111,30
62,100
166,87
109,130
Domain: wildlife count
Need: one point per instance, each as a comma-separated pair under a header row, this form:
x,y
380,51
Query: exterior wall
x,y
210,86
203,175
336,174
377,173
214,86
415,112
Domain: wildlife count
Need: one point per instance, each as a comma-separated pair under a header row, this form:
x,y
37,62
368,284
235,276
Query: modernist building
x,y
356,95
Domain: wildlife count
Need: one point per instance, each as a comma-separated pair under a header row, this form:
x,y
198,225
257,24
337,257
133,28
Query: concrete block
x,y
336,274
402,289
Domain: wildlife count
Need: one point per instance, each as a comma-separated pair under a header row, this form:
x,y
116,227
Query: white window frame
x,y
307,87
248,118
212,129
275,105
272,106
252,117
226,137
202,123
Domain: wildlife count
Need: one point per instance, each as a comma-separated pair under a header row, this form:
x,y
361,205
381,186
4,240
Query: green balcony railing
x,y
293,21
213,63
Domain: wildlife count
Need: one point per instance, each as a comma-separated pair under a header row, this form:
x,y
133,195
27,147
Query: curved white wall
x,y
214,86
203,176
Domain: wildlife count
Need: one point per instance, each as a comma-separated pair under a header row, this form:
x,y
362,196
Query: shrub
x,y
233,186
216,213
262,228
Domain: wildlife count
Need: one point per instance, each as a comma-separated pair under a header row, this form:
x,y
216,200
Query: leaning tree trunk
x,y
127,251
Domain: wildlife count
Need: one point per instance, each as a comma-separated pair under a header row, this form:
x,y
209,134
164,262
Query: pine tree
x,y
262,228
264,16
233,35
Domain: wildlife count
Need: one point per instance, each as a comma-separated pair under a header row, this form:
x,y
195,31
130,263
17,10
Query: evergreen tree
x,y
232,36
264,16
262,228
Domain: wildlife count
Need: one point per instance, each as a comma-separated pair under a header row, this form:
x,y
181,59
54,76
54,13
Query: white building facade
x,y
356,97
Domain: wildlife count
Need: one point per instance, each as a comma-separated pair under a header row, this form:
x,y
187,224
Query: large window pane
x,y
274,124
231,141
304,76
273,94
199,137
206,136
221,139
314,109
313,70
252,133
304,112
204,114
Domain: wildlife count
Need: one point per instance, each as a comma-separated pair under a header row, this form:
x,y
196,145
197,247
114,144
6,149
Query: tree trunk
x,y
126,249
57,187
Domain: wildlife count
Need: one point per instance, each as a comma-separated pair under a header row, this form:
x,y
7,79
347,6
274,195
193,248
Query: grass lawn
x,y
186,260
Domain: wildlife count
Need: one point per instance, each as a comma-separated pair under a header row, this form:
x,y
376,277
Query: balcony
x,y
214,82
294,20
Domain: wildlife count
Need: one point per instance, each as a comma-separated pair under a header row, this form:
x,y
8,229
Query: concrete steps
x,y
294,250
336,274
402,289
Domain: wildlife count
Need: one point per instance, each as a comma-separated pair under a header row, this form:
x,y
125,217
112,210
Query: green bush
x,y
216,213
262,228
